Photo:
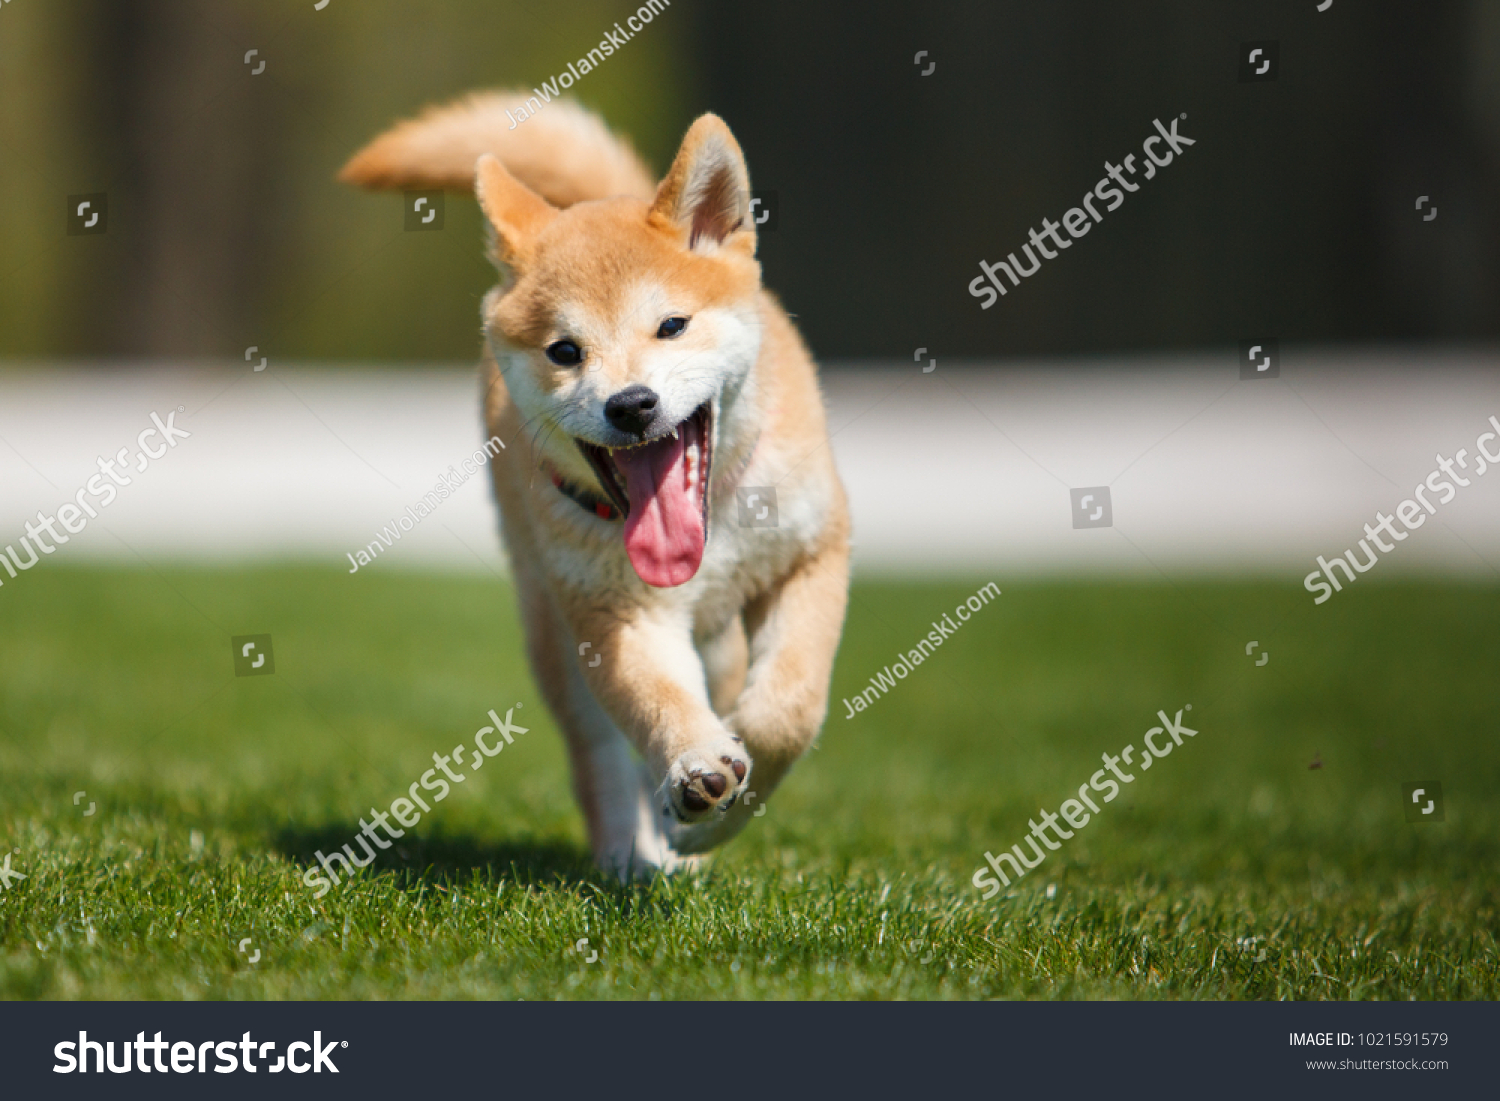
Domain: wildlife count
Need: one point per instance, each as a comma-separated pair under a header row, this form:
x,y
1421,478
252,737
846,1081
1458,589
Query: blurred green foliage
x,y
1292,214
226,226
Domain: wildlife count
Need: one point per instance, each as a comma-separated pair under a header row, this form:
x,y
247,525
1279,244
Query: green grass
x,y
212,792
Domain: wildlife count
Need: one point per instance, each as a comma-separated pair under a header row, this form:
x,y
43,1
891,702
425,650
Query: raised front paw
x,y
707,781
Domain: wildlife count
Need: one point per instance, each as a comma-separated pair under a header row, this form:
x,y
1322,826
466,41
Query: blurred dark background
x,y
1294,214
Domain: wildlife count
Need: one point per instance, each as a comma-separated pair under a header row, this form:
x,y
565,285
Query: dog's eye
x,y
672,326
565,353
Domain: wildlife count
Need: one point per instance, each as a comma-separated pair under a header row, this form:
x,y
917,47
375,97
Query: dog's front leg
x,y
645,672
794,634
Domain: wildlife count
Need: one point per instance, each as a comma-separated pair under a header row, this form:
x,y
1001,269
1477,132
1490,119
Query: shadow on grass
x,y
453,861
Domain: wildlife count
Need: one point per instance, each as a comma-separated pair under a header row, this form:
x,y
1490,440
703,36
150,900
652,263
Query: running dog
x,y
676,528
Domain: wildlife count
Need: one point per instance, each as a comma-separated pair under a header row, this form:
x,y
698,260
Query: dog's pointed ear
x,y
706,193
516,213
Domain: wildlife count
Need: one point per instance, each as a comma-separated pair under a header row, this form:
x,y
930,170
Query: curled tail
x,y
562,152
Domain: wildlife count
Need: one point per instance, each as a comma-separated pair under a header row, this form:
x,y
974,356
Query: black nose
x,y
632,409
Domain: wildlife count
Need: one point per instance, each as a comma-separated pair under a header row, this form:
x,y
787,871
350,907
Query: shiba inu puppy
x,y
647,389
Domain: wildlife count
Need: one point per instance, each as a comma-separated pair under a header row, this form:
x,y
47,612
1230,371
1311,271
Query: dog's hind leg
x,y
793,634
726,658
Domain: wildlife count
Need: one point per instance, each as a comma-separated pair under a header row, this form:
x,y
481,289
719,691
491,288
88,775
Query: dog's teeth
x,y
674,433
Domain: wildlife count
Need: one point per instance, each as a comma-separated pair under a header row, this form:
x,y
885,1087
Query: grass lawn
x,y
1230,870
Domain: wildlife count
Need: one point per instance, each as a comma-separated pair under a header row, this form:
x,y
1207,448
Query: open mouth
x,y
660,486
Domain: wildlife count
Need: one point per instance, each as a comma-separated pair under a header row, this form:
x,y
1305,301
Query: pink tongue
x,y
664,531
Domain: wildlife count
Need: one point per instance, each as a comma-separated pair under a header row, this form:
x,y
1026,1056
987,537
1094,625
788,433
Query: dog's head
x,y
631,327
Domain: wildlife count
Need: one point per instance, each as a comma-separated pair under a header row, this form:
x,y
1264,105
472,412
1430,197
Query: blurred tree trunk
x,y
186,123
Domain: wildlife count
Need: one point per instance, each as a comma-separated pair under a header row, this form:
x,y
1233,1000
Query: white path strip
x,y
957,469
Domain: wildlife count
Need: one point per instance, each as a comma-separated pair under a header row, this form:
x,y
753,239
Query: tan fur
x,y
732,667
563,153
